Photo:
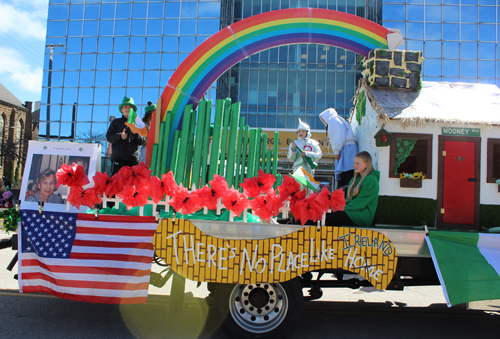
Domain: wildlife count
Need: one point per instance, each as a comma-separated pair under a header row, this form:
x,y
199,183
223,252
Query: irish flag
x,y
468,265
305,178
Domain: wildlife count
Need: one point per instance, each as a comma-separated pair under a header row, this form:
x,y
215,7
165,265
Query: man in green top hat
x,y
124,142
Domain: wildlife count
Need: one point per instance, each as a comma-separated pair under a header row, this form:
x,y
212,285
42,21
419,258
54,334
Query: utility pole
x,y
49,85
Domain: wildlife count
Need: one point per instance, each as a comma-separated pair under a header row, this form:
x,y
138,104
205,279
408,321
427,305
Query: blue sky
x,y
22,46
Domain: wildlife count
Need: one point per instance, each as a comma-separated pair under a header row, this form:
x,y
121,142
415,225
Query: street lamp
x,y
49,84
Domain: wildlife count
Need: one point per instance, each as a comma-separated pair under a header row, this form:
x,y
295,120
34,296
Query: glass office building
x,y
458,38
101,51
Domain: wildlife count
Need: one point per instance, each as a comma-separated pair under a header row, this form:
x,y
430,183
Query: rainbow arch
x,y
257,33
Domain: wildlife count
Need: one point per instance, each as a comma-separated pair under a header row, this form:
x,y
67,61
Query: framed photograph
x,y
39,179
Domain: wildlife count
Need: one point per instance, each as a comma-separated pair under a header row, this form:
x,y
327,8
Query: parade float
x,y
206,202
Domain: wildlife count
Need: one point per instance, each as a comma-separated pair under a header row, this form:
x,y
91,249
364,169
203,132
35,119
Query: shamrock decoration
x,y
10,218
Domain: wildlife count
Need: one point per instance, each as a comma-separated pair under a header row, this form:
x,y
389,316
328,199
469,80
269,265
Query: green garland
x,y
361,107
10,218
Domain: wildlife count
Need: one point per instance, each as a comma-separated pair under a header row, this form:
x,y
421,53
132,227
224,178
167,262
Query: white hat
x,y
304,126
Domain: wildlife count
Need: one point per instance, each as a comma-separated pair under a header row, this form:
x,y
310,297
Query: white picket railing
x,y
285,209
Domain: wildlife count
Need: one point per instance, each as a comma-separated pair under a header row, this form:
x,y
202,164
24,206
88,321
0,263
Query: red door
x,y
459,182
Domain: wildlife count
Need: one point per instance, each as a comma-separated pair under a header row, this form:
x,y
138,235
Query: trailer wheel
x,y
260,310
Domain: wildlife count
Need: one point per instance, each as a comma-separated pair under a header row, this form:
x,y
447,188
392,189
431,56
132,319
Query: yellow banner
x,y
286,138
201,257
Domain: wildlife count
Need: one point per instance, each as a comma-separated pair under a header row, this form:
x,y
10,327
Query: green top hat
x,y
127,101
149,108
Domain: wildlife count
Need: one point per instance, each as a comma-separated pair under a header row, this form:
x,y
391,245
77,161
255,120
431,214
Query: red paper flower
x,y
259,206
73,175
300,211
114,186
323,199
133,197
273,202
185,202
75,196
169,184
265,181
266,206
307,209
288,188
101,180
296,197
337,200
91,198
142,174
138,175
79,197
315,208
235,202
208,197
218,185
155,189
256,185
251,187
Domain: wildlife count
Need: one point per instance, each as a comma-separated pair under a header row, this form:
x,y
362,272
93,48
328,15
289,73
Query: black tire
x,y
259,310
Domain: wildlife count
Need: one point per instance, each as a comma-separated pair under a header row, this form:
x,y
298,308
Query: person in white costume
x,y
343,144
304,147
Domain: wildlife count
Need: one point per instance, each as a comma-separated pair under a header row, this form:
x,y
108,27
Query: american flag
x,y
73,256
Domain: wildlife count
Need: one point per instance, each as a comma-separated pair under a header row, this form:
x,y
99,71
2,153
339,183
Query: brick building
x,y
16,128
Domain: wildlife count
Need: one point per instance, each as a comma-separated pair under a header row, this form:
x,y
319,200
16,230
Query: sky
x,y
22,45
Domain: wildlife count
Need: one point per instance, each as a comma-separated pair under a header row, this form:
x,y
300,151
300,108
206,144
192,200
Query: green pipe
x,y
215,149
258,154
198,142
238,153
175,150
160,149
232,143
275,152
206,142
251,153
223,146
268,161
278,179
189,151
168,127
244,154
181,158
264,151
154,158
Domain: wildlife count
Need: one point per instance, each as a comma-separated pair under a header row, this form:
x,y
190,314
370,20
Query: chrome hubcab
x,y
258,308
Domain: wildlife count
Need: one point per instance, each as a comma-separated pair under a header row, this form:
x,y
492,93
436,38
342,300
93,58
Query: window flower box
x,y
410,183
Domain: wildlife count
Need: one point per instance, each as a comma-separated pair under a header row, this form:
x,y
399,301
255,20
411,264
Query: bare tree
x,y
89,137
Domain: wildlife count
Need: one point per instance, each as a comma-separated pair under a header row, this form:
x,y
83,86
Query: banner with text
x,y
287,137
201,257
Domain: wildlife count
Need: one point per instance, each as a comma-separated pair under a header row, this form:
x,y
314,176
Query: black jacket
x,y
123,149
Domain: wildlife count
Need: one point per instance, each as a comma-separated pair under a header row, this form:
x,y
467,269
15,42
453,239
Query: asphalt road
x,y
28,316
417,312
